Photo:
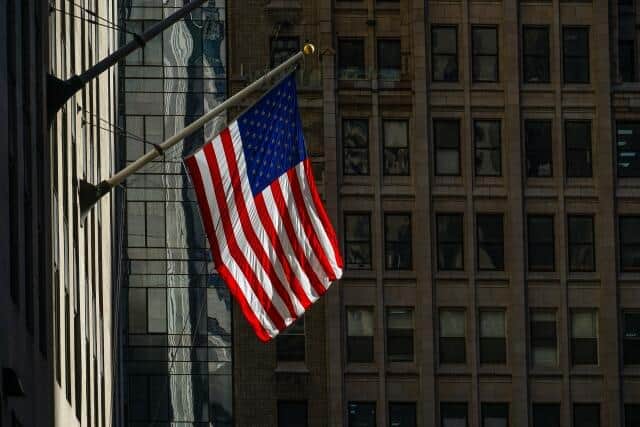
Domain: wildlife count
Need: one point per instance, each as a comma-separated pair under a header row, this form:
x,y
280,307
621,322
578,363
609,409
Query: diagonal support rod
x,y
89,194
59,91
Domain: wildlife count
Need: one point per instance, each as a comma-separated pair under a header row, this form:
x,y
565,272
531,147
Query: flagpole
x,y
89,194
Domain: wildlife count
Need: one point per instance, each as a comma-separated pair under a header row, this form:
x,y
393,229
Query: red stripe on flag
x,y
309,230
234,250
226,275
245,221
280,252
322,213
293,239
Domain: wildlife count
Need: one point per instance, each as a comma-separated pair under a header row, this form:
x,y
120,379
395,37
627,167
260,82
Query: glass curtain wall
x,y
178,312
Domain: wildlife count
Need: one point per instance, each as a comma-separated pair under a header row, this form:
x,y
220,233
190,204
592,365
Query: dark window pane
x,y
631,338
396,147
543,338
292,413
581,243
452,336
575,47
586,415
490,238
495,415
360,329
631,415
493,347
488,155
546,415
357,241
629,235
290,344
627,60
450,241
355,144
399,334
535,54
538,148
628,149
446,134
157,314
397,233
540,243
362,414
453,414
389,59
402,414
444,53
584,337
485,54
351,59
138,398
578,148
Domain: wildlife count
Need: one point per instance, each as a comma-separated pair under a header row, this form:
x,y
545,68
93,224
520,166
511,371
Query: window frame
x,y
480,242
435,54
453,339
437,146
571,244
440,242
348,242
536,342
406,148
573,55
573,340
409,265
483,149
290,332
474,55
379,56
360,75
529,149
348,335
366,148
394,358
568,149
546,57
483,359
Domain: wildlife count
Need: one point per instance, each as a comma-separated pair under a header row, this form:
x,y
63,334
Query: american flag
x,y
270,237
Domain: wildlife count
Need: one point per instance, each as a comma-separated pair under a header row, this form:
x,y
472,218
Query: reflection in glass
x,y
397,234
355,143
357,241
396,147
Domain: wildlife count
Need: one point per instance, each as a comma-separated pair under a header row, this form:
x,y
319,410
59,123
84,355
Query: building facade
x,y
480,161
56,294
177,321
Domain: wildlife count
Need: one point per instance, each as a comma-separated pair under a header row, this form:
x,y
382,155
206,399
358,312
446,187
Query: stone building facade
x,y
479,160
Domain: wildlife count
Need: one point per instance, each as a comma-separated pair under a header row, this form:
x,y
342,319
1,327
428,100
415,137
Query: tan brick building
x,y
479,159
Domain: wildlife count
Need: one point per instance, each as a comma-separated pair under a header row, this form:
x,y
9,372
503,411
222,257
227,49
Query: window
x,y
444,53
450,241
389,59
495,414
357,244
490,240
575,54
626,40
544,339
446,135
584,337
400,334
535,61
360,328
148,398
629,243
396,147
493,342
355,146
291,342
283,48
581,243
147,311
546,415
485,54
631,338
402,414
452,336
453,414
538,148
486,141
628,149
631,415
540,243
577,136
397,245
362,414
351,59
586,415
292,413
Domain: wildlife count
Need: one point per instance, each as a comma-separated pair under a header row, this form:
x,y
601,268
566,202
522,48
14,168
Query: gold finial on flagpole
x,y
309,49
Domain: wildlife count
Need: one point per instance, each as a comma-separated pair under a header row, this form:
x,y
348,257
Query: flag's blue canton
x,y
272,136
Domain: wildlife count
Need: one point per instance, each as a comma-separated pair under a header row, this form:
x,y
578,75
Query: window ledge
x,y
631,371
402,368
586,371
361,368
546,371
291,368
629,277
